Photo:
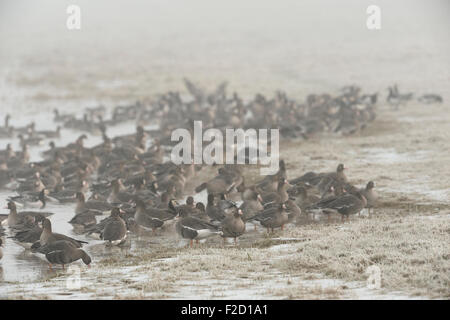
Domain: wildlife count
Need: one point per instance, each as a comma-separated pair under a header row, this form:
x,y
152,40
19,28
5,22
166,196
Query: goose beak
x,y
260,198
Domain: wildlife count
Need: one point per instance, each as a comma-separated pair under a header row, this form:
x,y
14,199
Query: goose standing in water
x,y
48,236
94,205
15,218
63,252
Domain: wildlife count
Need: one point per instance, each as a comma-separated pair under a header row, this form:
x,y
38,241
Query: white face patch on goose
x,y
251,147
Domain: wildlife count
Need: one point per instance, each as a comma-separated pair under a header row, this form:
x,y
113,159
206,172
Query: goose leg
x,y
254,226
282,227
50,266
191,243
197,242
235,242
63,266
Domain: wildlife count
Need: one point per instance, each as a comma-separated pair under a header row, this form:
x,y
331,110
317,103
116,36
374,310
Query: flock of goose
x,y
129,177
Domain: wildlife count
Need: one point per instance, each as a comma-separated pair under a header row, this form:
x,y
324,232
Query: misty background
x,y
129,50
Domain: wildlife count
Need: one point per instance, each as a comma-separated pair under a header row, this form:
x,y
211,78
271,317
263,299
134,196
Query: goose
x,y
153,218
280,196
50,134
214,213
293,210
302,197
330,178
48,237
345,205
1,250
30,141
31,199
6,177
94,205
8,152
233,226
251,207
62,117
430,98
26,237
193,228
63,252
273,217
85,219
226,205
281,174
370,195
16,218
118,193
115,231
222,183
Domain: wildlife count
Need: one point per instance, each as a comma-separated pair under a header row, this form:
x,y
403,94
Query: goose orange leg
x,y
282,227
50,266
191,243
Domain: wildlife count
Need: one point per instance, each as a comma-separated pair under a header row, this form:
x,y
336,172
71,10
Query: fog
x,y
145,47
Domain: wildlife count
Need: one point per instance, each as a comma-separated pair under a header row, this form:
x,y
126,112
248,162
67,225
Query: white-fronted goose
x,y
115,231
83,205
345,205
84,219
273,217
251,206
331,178
31,199
153,218
280,196
63,252
26,237
233,226
16,218
221,184
193,228
50,134
118,192
293,210
302,198
47,236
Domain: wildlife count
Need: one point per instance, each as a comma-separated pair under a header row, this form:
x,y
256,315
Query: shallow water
x,y
20,265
